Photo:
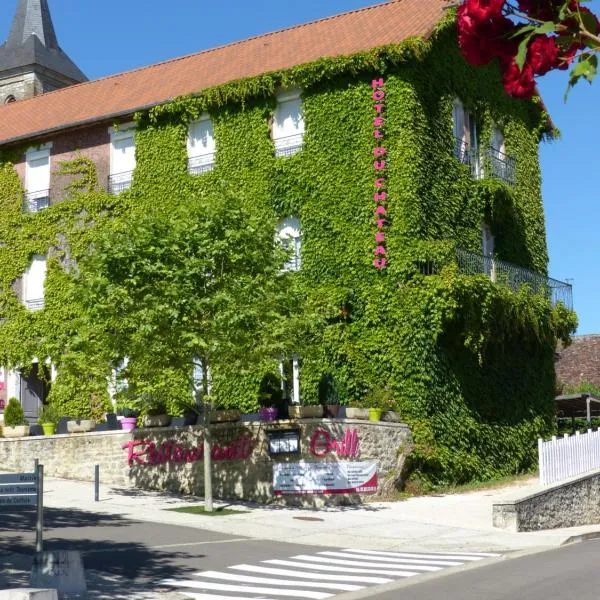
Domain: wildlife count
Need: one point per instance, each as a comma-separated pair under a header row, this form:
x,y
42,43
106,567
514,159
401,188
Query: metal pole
x,y
589,411
97,483
208,498
36,462
39,530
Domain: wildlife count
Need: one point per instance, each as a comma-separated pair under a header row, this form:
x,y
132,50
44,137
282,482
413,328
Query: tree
x,y
201,284
530,38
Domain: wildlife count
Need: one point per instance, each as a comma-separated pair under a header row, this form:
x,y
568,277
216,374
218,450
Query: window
x,y
288,124
487,240
201,146
122,159
502,166
37,180
465,136
290,236
33,283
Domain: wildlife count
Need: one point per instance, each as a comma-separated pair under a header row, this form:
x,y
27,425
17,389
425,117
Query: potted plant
x,y
269,394
356,410
379,400
155,413
328,396
47,418
305,411
81,425
15,424
128,418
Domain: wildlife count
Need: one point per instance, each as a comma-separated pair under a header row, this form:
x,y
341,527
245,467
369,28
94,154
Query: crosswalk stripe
x,y
194,596
310,575
451,556
381,565
389,572
383,559
222,587
249,579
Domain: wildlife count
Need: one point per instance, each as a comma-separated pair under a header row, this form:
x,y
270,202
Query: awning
x,y
577,405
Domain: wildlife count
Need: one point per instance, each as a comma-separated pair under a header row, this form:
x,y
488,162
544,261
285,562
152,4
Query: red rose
x,y
482,10
543,54
519,83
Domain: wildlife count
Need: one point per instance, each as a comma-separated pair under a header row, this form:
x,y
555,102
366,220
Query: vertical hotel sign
x,y
379,167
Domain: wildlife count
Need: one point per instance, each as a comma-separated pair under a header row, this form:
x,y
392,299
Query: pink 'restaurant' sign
x,y
144,452
379,165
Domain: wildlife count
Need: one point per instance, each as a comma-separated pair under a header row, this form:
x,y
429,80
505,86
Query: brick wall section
x,y
74,456
580,361
91,142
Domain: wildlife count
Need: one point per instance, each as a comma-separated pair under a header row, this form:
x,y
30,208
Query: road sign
x,y
10,490
19,500
18,478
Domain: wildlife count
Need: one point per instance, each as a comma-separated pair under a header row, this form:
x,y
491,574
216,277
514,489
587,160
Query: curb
x,y
583,537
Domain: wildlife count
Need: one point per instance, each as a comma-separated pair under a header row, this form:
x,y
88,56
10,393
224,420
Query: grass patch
x,y
219,511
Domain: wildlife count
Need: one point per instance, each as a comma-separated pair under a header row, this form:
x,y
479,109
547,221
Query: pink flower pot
x,y
267,413
128,423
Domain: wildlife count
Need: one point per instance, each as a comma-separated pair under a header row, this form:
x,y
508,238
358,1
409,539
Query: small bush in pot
x,y
15,424
48,418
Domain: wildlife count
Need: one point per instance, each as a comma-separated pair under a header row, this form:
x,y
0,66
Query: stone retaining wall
x,y
568,504
171,458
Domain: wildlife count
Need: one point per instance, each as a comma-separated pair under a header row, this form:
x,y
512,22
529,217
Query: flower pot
x,y
375,414
225,416
128,423
305,412
155,421
391,417
49,428
81,425
267,413
332,410
16,431
357,413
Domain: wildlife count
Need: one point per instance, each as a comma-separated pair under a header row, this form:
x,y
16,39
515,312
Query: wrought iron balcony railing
x,y
290,145
35,304
119,182
35,201
502,166
201,164
515,276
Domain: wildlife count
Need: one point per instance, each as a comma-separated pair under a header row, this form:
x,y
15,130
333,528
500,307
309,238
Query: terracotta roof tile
x,y
579,362
343,34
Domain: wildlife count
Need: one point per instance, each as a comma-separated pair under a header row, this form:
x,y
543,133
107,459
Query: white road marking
x,y
451,556
367,559
222,587
249,579
382,565
194,596
388,572
310,575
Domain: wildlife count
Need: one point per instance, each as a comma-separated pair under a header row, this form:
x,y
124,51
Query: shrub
x,y
13,414
48,414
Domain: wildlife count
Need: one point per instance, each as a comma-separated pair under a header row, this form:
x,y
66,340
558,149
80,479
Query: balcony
x,y
35,201
35,304
119,182
201,164
515,277
289,145
502,166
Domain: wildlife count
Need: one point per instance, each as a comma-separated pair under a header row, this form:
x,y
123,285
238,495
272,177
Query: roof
x,y
576,405
32,41
344,34
579,362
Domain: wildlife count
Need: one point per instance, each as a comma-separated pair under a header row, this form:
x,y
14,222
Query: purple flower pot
x,y
268,414
128,423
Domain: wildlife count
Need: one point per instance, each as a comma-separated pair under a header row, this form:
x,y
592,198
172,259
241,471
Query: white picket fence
x,y
571,455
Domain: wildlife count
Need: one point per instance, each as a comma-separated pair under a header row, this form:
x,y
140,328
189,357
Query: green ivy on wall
x,y
470,363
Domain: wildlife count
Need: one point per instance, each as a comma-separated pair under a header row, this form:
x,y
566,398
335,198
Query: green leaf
x,y
546,27
522,52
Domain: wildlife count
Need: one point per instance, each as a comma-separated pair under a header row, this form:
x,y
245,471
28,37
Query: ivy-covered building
x,y
405,183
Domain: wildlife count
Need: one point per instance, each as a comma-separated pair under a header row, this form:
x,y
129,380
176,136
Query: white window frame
x,y
37,302
289,231
466,139
119,181
39,198
201,161
288,139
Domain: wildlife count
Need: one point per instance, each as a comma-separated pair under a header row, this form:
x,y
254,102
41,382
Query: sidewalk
x,y
456,522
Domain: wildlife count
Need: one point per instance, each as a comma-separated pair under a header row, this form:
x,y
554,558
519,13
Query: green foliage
x,y
13,414
48,414
468,363
80,165
583,387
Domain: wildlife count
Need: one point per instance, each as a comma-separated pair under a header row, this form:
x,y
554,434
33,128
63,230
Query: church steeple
x,y
31,61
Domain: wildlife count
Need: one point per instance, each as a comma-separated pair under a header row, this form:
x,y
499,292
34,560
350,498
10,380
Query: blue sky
x,y
112,36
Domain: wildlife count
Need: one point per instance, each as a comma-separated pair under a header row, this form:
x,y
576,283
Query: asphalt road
x,y
569,572
142,552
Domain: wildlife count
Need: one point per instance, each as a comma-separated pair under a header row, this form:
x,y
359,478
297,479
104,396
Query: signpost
x,y
26,489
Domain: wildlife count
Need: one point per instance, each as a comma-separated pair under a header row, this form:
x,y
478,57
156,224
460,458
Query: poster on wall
x,y
299,478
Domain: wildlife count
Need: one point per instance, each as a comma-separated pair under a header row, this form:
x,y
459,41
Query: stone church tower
x,y
31,61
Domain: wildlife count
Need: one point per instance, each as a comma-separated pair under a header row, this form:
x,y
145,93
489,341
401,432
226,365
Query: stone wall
x,y
569,504
242,467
